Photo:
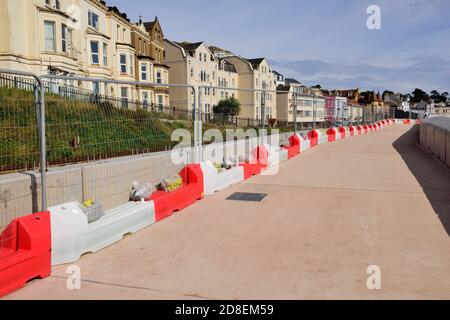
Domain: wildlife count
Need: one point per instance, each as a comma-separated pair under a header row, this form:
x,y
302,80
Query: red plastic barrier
x,y
342,132
351,129
251,169
360,129
370,127
262,156
313,138
294,147
418,121
25,251
331,133
260,161
407,121
192,190
366,128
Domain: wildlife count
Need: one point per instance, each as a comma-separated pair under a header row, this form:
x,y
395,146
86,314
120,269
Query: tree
x,y
317,86
437,97
365,98
230,106
387,92
419,95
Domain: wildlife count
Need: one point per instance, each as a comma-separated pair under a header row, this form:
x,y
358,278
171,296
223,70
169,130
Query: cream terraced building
x,y
194,64
255,74
310,108
72,38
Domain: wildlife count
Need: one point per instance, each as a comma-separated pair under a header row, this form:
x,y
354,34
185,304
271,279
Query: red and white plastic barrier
x,y
30,245
214,181
192,190
359,129
352,131
332,134
305,143
73,235
313,137
343,132
25,249
294,146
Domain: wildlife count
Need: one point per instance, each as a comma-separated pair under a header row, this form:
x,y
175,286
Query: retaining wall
x,y
107,181
435,138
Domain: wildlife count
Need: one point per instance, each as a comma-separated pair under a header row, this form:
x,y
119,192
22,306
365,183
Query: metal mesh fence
x,y
91,127
126,125
19,148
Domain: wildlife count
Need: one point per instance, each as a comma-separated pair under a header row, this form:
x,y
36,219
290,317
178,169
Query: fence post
x,y
43,149
198,127
263,109
295,112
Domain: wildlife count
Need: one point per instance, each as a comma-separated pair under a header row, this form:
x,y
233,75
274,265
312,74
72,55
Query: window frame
x,y
64,38
159,79
97,54
123,66
105,54
93,20
53,25
144,72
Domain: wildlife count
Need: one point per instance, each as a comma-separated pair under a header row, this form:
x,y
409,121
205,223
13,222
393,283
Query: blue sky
x,y
320,41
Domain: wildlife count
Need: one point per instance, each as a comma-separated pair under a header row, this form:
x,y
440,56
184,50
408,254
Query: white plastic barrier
x,y
323,139
73,236
215,181
305,144
276,154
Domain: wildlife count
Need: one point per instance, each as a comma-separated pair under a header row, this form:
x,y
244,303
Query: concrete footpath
x,y
374,199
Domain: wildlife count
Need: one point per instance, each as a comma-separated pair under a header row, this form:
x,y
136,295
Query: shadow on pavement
x,y
433,177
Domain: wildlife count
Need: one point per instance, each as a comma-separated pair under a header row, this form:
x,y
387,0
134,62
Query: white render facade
x,y
73,38
255,74
194,64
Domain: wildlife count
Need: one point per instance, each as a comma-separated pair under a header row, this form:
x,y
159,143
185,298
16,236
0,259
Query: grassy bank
x,y
81,130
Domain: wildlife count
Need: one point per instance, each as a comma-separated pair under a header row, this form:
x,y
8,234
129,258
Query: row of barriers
x,y
30,245
54,120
